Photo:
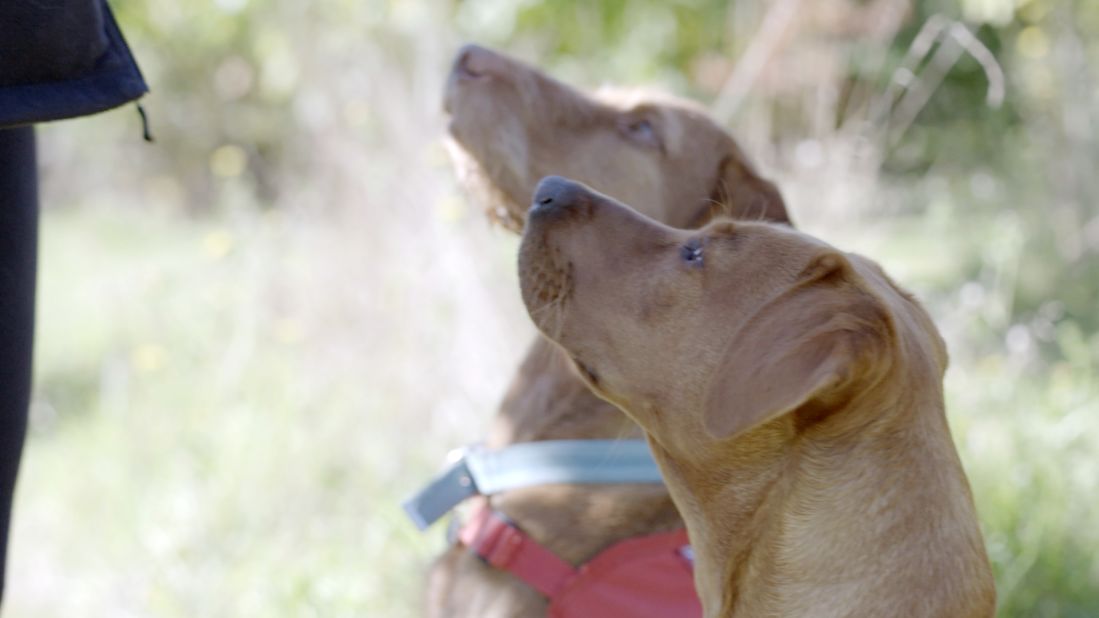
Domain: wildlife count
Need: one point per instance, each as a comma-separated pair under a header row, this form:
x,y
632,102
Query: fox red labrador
x,y
791,394
510,125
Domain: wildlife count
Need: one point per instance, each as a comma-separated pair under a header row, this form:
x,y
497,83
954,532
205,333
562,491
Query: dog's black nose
x,y
555,193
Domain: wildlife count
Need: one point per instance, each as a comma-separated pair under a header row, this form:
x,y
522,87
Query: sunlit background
x,y
259,333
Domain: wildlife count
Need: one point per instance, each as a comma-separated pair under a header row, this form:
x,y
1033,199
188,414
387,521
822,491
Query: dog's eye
x,y
691,253
641,131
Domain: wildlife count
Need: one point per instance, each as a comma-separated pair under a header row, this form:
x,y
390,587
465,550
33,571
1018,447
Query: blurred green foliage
x,y
236,322
226,74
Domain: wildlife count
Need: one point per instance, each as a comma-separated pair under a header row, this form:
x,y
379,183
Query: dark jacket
x,y
61,59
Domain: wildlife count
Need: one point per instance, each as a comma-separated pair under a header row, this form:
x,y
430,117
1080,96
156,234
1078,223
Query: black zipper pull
x,y
144,124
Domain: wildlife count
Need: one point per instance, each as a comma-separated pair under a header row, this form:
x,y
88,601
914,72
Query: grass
x,y
215,435
224,426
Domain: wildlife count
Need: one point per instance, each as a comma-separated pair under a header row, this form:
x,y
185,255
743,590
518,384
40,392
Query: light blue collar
x,y
478,471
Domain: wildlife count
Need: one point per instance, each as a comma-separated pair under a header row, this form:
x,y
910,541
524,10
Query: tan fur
x,y
510,126
792,395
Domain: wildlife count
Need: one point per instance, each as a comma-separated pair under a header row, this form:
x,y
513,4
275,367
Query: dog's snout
x,y
471,65
555,193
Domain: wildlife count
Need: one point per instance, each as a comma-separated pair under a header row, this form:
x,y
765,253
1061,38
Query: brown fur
x,y
792,395
511,125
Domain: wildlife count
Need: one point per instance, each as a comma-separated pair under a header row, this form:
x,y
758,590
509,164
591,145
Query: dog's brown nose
x,y
472,61
556,194
471,65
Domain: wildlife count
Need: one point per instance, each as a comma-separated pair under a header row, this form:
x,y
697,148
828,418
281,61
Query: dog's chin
x,y
478,183
545,281
548,308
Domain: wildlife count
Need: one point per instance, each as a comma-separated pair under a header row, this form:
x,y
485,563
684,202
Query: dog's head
x,y
703,335
511,125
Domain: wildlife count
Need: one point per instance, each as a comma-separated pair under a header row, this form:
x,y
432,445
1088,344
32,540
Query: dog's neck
x,y
790,521
547,400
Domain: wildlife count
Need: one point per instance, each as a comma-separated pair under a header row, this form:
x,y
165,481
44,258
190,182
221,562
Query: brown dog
x,y
792,396
512,125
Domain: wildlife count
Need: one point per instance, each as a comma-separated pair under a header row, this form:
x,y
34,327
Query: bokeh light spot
x,y
148,358
217,244
228,161
1033,43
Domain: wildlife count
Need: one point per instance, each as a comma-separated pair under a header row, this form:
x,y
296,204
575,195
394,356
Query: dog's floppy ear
x,y
739,192
823,334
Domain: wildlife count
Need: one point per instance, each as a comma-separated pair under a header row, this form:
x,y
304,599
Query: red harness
x,y
643,577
